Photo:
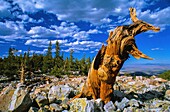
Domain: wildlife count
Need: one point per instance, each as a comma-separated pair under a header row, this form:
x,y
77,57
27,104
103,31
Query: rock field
x,y
132,94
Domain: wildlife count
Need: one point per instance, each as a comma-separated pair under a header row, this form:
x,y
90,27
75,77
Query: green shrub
x,y
165,75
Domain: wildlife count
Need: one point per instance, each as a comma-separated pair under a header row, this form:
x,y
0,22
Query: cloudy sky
x,y
81,25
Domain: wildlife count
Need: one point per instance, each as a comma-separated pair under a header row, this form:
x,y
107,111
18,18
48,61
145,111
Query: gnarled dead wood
x,y
110,58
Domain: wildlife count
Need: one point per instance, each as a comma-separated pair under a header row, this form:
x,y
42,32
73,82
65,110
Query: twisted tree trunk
x,y
110,59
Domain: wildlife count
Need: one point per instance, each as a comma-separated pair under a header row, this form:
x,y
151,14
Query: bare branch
x,y
133,14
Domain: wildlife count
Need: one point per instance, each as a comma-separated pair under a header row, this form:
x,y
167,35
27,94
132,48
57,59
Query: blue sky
x,y
81,25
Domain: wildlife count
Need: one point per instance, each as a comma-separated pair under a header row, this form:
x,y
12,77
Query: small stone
x,y
65,106
155,110
46,106
130,109
41,100
109,107
121,105
167,94
160,80
65,111
33,109
99,104
133,103
89,106
42,109
55,107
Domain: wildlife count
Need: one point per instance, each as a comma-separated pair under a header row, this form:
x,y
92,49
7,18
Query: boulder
x,y
121,105
118,95
109,107
78,105
59,92
5,98
84,105
20,101
89,106
42,99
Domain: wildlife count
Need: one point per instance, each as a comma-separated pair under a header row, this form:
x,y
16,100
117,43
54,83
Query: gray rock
x,y
90,106
167,94
5,98
65,111
21,100
109,107
59,92
78,105
55,108
133,103
130,109
121,105
42,109
65,106
99,105
33,109
41,99
118,95
155,110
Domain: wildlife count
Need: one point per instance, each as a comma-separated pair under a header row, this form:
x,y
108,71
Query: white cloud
x,y
43,42
37,52
79,46
159,18
10,31
71,30
28,5
4,12
60,41
94,51
92,11
65,29
106,20
37,42
84,44
39,31
94,31
3,42
151,35
75,49
156,49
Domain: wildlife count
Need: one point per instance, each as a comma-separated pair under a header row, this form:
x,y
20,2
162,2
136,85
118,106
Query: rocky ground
x,y
51,94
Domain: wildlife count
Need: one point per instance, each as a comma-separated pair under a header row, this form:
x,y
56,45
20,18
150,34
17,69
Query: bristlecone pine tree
x,y
110,58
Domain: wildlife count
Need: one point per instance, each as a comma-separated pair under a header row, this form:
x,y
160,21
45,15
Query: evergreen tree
x,y
66,65
58,60
83,65
88,63
1,66
71,64
11,65
48,60
57,54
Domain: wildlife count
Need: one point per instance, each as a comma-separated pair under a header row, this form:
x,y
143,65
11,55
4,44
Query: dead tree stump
x,y
110,59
